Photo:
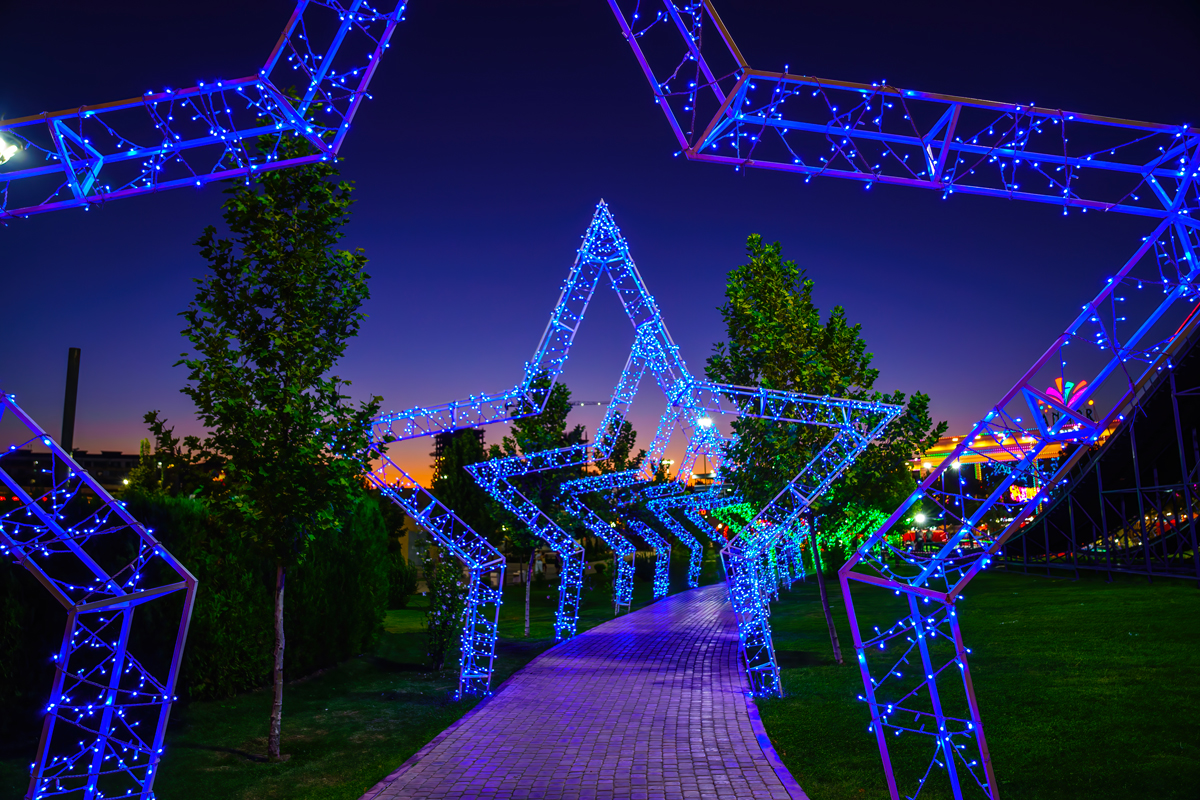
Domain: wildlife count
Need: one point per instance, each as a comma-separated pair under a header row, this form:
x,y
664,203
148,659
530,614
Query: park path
x,y
648,706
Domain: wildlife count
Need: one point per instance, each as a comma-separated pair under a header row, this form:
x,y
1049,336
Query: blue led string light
x,y
107,712
217,131
604,252
1121,339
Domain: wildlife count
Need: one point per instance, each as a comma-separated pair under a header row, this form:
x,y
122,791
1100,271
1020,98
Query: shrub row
x,y
334,606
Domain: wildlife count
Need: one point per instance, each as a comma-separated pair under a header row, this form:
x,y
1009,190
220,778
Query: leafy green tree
x,y
268,324
778,339
620,457
545,431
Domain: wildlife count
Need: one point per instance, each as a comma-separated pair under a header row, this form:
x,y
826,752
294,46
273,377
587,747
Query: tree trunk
x,y
277,700
528,590
837,649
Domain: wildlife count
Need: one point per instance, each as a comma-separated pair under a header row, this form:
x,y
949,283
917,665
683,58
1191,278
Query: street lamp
x,y
7,151
705,422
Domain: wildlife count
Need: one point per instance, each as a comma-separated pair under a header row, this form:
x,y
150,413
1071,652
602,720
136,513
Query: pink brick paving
x,y
649,706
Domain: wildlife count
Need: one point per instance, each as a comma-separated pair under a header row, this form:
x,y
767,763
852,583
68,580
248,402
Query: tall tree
x,y
545,431
777,339
268,324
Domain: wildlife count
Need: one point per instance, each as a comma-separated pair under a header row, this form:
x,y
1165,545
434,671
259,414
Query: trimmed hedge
x,y
333,607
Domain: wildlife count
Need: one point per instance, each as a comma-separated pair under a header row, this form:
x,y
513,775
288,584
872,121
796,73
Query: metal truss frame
x,y
210,132
604,252
105,721
723,111
662,555
704,441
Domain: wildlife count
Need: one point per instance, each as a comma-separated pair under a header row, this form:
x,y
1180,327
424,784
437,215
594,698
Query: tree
x,y
619,458
268,324
447,604
777,339
532,434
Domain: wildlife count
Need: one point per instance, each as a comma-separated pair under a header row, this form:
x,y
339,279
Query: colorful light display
x,y
723,111
218,131
604,253
102,735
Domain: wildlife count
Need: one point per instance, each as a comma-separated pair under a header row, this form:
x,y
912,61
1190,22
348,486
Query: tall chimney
x,y
68,429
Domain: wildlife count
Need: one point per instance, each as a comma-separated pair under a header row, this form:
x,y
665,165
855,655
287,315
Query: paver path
x,y
649,706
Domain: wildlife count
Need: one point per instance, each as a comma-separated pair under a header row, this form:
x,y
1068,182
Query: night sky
x,y
497,126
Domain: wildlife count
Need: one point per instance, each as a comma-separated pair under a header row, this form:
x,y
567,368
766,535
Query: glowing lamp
x,y
705,422
7,151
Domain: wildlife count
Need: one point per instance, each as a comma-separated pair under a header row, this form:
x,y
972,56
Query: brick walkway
x,y
649,706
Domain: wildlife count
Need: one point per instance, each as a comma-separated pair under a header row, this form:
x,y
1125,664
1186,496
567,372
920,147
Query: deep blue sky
x,y
494,130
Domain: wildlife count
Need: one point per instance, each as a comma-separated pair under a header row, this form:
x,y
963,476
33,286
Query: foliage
x,y
185,467
447,604
403,577
644,565
777,339
619,458
268,323
454,486
337,599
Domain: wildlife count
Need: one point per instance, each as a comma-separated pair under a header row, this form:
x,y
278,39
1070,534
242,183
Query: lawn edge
x,y
764,741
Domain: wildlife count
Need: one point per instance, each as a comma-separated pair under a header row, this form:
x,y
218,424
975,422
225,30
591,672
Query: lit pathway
x,y
649,706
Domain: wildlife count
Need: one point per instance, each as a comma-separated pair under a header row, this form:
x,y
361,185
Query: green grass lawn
x,y
1087,690
347,727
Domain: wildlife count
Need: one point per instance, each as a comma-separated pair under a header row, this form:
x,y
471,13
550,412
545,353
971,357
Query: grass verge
x,y
1087,690
347,727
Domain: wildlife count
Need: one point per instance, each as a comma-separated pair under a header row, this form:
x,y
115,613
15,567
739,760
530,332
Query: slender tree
x,y
777,339
268,324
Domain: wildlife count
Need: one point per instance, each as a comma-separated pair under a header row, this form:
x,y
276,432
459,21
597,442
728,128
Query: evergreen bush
x,y
336,602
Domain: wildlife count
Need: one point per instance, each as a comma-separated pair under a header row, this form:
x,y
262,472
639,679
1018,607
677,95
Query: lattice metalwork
x,y
604,252
232,129
723,111
102,735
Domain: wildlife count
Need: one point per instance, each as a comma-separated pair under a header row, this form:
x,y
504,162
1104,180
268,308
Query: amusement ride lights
x,y
878,133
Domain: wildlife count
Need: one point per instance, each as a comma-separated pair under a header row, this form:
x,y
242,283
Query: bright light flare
x,y
7,151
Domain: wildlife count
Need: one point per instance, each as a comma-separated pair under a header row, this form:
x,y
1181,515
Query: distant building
x,y
30,469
